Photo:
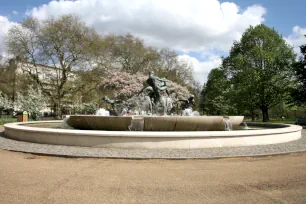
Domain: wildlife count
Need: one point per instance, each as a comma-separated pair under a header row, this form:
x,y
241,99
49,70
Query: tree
x,y
62,44
32,101
11,80
122,85
132,55
241,94
260,64
129,55
298,93
5,103
170,67
84,108
214,94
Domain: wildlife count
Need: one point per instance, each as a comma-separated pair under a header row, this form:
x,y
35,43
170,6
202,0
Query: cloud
x,y
297,38
186,26
202,68
5,25
15,12
194,25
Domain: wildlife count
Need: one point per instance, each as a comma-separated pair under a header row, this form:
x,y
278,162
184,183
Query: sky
x,y
201,31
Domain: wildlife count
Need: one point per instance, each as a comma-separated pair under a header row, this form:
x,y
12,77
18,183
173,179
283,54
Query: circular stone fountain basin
x,y
277,133
153,123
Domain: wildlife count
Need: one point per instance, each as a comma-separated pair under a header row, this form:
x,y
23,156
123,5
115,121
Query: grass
x,y
286,121
276,120
9,119
4,120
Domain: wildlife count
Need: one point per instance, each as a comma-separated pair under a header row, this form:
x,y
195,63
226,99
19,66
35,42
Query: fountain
x,y
228,126
156,106
148,121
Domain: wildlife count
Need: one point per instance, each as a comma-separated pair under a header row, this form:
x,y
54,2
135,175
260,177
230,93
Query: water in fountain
x,y
153,100
141,105
137,124
102,112
228,124
189,112
65,124
245,126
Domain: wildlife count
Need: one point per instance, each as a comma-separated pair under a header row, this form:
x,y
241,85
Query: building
x,y
49,77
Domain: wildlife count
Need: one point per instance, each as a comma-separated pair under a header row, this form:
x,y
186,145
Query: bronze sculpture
x,y
154,89
112,102
187,103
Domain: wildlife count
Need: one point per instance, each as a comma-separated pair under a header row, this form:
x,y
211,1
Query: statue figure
x,y
155,86
149,95
155,81
187,103
112,102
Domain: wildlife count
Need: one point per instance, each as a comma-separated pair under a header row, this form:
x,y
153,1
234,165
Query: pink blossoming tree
x,y
122,86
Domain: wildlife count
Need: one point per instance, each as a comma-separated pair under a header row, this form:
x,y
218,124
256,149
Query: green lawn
x,y
9,119
5,120
274,120
282,121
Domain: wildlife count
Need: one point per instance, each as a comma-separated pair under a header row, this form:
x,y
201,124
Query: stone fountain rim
x,y
282,129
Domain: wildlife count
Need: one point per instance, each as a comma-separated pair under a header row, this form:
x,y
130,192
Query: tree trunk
x,y
265,113
253,115
58,110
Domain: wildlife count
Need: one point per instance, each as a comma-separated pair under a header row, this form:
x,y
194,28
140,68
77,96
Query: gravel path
x,y
27,178
73,151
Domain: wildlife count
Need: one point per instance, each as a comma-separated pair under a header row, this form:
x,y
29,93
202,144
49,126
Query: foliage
x,y
298,93
169,66
5,103
32,101
84,108
11,80
90,108
132,55
129,54
122,85
214,100
259,67
61,43
7,120
67,60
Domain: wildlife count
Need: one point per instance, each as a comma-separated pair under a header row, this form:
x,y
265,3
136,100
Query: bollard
x,y
23,116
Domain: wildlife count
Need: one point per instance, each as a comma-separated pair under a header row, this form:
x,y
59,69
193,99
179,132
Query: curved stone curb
x,y
152,139
206,153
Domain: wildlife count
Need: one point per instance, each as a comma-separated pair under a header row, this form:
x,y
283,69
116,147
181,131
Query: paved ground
x,y
260,150
26,178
